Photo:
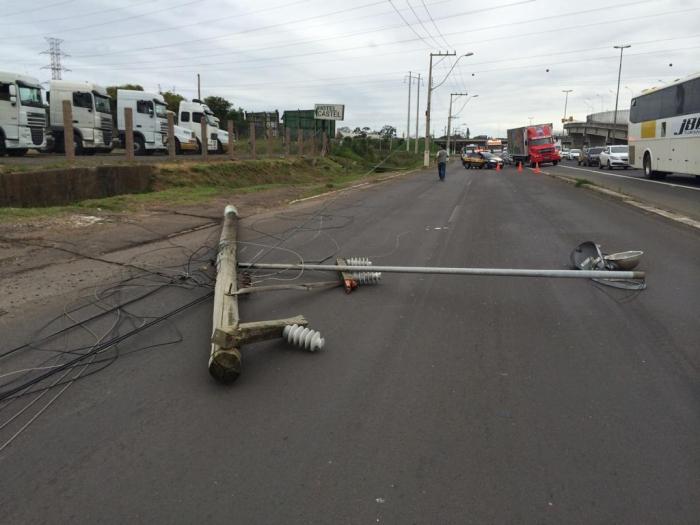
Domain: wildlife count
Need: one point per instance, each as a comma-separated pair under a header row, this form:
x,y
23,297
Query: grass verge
x,y
181,184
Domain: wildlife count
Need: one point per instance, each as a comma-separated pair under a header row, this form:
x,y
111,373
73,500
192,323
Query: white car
x,y
574,154
565,154
614,157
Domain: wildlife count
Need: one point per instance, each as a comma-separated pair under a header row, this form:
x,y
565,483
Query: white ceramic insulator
x,y
303,337
358,261
367,277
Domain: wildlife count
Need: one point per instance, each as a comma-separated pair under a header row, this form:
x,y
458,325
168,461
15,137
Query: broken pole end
x,y
225,365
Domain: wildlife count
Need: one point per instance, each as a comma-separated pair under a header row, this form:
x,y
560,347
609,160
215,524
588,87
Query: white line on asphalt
x,y
631,202
454,213
601,172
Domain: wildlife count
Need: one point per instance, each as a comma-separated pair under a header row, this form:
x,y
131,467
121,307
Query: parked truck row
x,y
26,122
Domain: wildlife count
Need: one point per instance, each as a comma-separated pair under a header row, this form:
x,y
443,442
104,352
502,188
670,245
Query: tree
x,y
219,106
388,131
172,100
237,116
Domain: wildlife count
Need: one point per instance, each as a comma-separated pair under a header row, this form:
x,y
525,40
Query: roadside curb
x,y
676,217
356,186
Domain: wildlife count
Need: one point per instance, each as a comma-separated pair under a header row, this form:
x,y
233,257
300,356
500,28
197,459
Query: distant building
x,y
303,119
264,120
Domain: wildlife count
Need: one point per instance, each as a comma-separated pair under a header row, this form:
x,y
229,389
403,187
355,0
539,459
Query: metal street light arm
x,y
451,69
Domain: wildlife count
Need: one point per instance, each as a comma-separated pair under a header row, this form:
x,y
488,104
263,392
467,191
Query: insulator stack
x,y
303,337
367,277
358,261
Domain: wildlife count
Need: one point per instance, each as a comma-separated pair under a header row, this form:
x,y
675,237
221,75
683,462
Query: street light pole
x,y
450,117
426,152
617,95
566,103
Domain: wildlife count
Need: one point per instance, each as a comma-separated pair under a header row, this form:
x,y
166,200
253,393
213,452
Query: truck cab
x,y
92,116
533,145
190,115
150,116
221,138
22,115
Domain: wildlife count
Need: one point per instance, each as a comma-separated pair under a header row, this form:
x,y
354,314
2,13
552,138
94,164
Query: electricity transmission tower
x,y
55,54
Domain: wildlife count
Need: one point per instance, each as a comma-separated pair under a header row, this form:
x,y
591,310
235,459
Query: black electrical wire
x,y
8,394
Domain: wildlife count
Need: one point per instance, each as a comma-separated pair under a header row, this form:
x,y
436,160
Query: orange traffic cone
x,y
498,167
537,167
520,166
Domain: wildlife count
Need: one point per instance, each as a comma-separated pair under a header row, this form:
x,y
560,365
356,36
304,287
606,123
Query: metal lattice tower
x,y
55,54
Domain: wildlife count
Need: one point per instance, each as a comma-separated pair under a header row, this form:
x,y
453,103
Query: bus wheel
x,y
650,173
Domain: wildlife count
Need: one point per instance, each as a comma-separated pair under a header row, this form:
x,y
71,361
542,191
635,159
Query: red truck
x,y
533,145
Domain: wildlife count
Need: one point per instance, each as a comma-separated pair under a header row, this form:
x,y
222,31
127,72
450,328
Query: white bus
x,y
664,129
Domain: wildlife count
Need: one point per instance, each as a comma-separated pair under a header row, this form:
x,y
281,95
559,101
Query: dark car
x,y
590,157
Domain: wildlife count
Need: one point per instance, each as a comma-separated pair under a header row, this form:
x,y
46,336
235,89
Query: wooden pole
x,y
225,363
205,139
300,142
313,144
171,137
68,144
129,133
287,140
252,140
228,333
230,140
324,149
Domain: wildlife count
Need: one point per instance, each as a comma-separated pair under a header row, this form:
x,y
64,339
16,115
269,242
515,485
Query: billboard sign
x,y
329,111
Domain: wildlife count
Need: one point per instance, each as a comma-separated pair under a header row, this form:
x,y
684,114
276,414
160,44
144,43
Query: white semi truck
x,y
190,117
150,119
22,115
92,116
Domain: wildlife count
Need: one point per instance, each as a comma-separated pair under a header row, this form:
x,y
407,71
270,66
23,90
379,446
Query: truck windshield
x,y
540,142
101,103
30,96
161,110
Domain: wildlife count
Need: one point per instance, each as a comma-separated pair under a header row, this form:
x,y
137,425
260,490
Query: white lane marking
x,y
601,172
454,213
627,200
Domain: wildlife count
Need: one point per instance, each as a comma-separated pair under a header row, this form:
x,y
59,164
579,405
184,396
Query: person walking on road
x,y
441,157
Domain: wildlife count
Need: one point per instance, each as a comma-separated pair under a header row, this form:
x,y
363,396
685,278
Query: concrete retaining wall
x,y
66,186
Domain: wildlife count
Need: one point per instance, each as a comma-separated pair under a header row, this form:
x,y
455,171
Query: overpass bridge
x,y
598,129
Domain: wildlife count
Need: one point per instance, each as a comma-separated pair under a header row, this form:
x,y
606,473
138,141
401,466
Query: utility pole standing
x,y
426,153
566,103
199,87
417,112
450,117
408,117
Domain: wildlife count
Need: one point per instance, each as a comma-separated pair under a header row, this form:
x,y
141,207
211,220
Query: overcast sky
x,y
279,54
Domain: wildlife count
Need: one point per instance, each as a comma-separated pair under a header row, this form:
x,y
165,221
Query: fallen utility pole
x,y
503,272
228,333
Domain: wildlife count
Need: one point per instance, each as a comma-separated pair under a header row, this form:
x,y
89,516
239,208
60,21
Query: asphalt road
x,y
679,193
437,399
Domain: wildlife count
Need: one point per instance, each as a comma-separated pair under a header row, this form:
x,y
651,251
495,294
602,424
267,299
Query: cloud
x,y
285,54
